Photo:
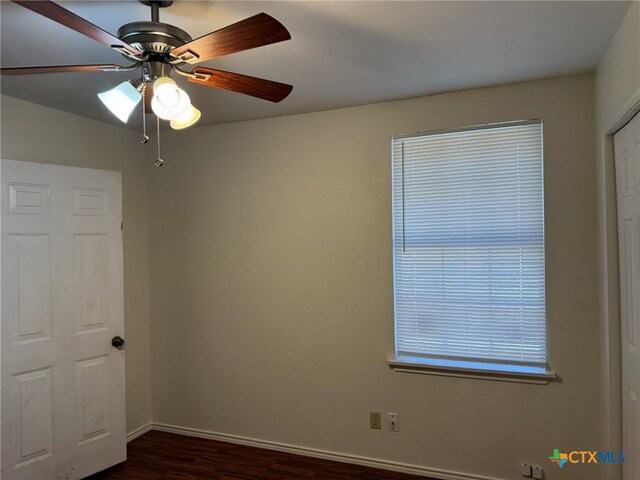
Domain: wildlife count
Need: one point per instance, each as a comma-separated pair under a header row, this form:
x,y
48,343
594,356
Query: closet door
x,y
627,162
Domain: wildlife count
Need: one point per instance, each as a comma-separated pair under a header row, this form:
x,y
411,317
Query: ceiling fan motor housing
x,y
155,38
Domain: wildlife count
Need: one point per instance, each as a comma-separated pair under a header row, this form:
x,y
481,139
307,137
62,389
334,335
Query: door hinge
x,y
121,225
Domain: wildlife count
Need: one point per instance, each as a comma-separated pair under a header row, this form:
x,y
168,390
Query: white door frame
x,y
610,283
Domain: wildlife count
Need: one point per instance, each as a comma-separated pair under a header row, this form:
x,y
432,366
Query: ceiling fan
x,y
158,49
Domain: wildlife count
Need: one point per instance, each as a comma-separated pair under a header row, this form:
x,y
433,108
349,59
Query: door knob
x,y
118,342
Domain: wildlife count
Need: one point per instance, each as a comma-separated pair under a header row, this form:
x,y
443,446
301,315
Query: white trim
x,y
464,369
514,123
139,431
624,114
317,453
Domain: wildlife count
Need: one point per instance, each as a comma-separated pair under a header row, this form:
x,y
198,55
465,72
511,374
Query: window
x,y
468,244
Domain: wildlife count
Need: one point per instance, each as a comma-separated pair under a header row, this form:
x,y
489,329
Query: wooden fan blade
x,y
70,20
252,32
57,69
256,87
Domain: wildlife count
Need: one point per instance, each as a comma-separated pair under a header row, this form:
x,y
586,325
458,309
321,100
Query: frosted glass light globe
x,y
169,101
166,90
187,119
121,100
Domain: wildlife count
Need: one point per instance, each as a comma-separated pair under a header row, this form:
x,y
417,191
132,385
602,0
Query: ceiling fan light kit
x,y
157,50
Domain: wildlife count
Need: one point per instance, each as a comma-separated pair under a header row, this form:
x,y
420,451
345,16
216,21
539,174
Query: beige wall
x,y
271,291
617,91
37,134
271,274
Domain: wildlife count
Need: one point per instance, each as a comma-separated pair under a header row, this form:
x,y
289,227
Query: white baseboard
x,y
139,431
312,452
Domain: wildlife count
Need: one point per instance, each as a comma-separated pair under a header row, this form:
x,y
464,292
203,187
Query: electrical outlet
x,y
375,420
525,469
394,426
537,472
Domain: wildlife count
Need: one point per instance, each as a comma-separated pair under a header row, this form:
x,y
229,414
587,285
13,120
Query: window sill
x,y
485,371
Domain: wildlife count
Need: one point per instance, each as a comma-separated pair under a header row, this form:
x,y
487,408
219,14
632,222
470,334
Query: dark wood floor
x,y
165,456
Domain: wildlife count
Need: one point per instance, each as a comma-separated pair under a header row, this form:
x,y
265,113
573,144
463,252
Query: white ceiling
x,y
341,53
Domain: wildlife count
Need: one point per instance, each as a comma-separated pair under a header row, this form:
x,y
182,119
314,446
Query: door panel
x,y
32,402
91,281
62,301
32,290
28,199
93,400
89,201
627,158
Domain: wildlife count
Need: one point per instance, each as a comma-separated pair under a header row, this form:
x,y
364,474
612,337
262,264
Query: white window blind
x,y
468,239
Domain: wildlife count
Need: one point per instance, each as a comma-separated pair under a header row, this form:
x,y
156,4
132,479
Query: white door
x,y
627,157
62,399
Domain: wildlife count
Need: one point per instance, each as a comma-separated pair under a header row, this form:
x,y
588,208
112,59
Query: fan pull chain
x,y
145,137
159,162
